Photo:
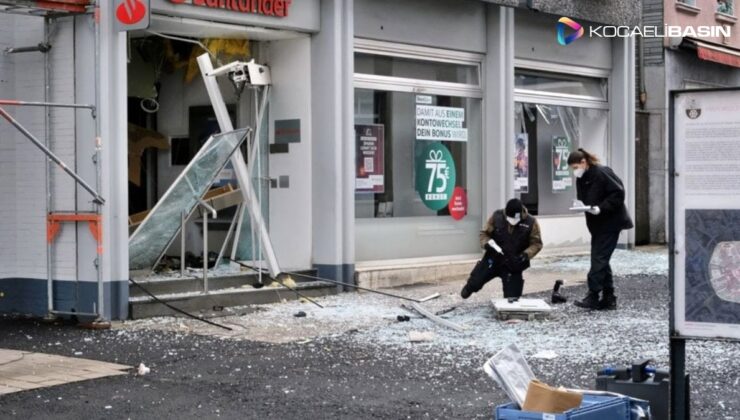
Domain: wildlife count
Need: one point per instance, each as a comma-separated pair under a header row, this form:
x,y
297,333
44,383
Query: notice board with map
x,y
705,213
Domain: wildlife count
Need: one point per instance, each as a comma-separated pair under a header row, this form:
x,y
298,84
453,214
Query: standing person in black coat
x,y
599,188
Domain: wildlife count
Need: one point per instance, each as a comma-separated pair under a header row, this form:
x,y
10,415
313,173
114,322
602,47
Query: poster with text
x,y
705,222
435,175
440,123
562,180
369,160
521,163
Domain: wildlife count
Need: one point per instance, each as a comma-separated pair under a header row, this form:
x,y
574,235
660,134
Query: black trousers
x,y
602,248
487,269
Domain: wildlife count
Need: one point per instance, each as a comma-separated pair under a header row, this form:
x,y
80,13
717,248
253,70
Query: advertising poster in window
x,y
369,161
440,123
435,175
705,213
562,180
521,163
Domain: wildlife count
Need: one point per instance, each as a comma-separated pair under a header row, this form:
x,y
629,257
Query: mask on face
x,y
512,220
578,172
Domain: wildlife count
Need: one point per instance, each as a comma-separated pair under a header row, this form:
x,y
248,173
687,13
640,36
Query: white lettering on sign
x,y
440,123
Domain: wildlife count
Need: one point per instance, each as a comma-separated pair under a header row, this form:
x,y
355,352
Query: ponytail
x,y
578,155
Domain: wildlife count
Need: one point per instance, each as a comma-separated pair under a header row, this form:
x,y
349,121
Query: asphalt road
x,y
351,375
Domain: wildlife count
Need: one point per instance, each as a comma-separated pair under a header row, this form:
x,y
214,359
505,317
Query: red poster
x,y
370,161
458,203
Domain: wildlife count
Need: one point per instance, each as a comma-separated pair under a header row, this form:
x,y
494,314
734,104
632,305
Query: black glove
x,y
518,264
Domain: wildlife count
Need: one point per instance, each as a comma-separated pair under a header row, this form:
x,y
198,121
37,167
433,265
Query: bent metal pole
x,y
52,156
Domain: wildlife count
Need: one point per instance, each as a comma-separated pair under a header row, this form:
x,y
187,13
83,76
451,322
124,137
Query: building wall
x,y
704,13
535,39
23,253
291,229
423,22
618,12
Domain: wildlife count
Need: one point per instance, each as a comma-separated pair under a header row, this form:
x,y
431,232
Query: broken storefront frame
x,y
151,239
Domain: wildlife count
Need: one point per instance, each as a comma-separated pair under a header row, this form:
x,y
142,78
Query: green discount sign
x,y
435,175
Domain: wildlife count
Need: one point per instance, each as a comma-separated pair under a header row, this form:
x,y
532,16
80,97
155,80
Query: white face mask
x,y
512,220
578,172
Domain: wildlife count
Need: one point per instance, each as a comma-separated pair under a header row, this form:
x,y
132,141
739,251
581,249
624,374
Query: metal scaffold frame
x,y
55,218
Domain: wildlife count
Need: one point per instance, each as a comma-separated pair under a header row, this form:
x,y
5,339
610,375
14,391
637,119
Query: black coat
x,y
600,186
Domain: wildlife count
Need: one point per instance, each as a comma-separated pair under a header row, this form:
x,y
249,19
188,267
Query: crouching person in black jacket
x,y
511,238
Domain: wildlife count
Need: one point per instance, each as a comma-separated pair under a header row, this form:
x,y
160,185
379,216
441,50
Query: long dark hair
x,y
578,155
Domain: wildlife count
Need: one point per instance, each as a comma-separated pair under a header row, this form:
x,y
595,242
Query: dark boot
x,y
608,301
465,292
591,301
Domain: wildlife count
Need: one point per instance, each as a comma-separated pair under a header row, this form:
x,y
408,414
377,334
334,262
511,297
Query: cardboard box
x,y
546,399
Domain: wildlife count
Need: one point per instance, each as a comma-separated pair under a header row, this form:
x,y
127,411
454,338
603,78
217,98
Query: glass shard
x,y
162,224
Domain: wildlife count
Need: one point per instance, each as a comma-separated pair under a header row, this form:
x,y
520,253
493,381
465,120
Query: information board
x,y
705,213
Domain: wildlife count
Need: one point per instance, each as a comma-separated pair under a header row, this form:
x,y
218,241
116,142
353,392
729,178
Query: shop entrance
x,y
171,119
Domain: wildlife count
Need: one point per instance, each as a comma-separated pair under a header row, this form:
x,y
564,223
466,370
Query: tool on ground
x,y
430,297
282,283
445,310
526,309
640,381
556,296
340,283
432,317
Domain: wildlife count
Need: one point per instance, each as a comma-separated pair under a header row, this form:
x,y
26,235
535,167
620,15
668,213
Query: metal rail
x,y
52,156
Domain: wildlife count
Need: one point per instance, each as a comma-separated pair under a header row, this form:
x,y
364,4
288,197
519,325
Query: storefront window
x,y
389,151
384,65
587,87
545,136
418,136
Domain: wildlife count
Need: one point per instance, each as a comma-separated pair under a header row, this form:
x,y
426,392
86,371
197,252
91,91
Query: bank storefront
x,y
393,129
455,116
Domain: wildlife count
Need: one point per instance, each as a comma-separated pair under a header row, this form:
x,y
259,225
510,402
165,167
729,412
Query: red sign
x,y
130,12
130,15
458,203
277,8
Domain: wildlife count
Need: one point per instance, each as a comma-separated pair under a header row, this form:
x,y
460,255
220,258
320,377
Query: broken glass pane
x,y
160,227
249,246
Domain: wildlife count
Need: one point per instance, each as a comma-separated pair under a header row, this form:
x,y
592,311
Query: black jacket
x,y
600,186
519,243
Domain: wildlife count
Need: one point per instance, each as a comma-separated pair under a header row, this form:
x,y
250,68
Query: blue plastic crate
x,y
594,407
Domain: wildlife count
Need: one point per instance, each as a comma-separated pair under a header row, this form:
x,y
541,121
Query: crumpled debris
x,y
143,370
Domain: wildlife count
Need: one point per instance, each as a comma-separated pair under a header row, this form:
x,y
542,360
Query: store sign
x,y
458,204
562,180
370,162
435,175
440,123
276,8
705,213
131,14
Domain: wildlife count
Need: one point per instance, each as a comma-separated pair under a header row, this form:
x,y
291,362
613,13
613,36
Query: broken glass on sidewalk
x,y
152,238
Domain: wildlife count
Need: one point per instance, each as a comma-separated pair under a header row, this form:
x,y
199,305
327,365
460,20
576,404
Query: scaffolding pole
x,y
53,219
97,198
